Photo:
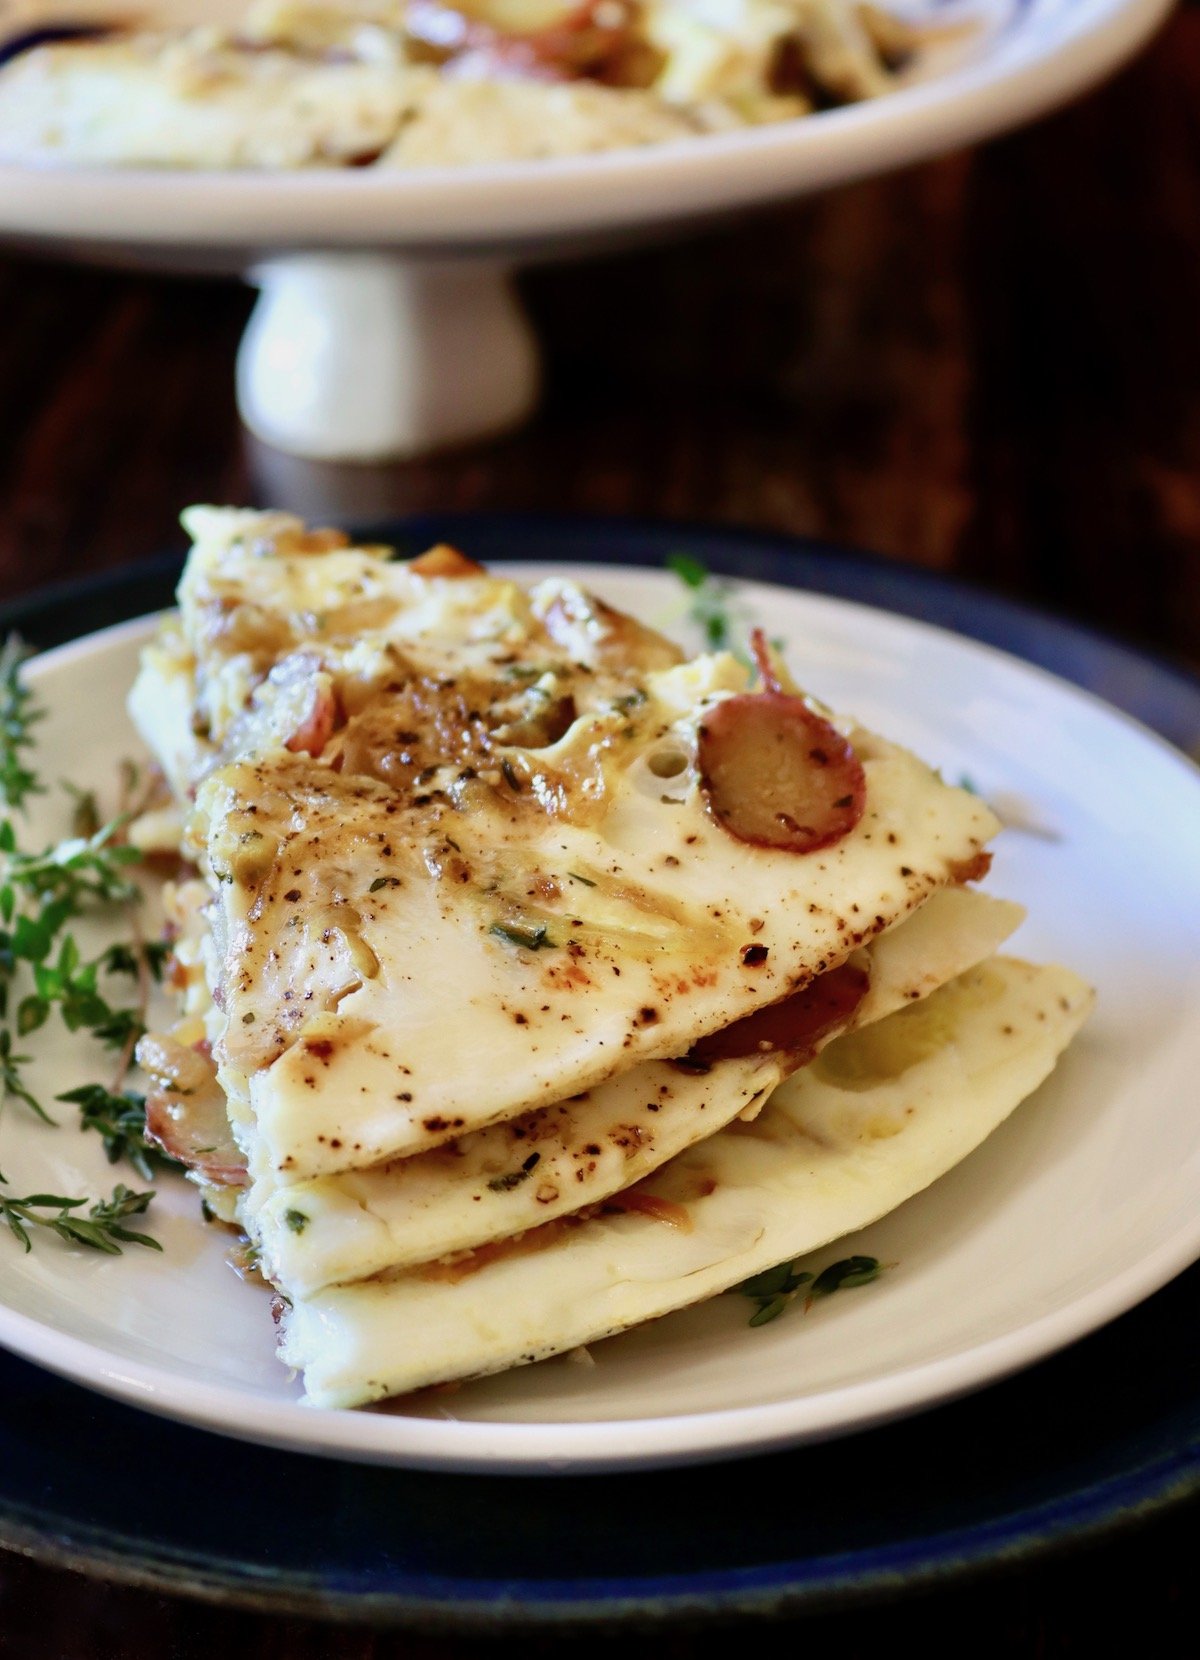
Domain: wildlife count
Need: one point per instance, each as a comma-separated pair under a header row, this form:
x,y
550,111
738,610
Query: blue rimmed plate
x,y
890,1506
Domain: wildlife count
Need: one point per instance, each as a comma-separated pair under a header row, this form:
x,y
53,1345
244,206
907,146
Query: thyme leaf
x,y
12,1083
86,817
775,1288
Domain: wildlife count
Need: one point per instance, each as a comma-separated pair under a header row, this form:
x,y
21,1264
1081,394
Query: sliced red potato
x,y
185,1111
319,721
775,773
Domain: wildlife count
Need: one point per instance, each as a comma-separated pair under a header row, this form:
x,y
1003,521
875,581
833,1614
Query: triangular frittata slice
x,y
879,1116
560,1159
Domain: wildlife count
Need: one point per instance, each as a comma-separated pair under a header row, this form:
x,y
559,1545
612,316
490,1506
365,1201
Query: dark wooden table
x,y
989,365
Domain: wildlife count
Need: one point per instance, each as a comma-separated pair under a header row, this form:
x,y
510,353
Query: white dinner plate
x,y
1085,1202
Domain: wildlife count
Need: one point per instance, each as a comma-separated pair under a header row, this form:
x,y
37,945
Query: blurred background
x,y
988,364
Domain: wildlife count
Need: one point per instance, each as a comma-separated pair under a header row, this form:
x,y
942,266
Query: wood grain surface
x,y
988,365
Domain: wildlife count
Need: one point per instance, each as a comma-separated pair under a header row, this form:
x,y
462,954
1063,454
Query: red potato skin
x,y
796,1026
319,724
171,1125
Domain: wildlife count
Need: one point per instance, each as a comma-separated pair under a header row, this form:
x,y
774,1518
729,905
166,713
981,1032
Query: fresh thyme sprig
x,y
42,969
68,873
12,1083
63,981
119,1118
775,1288
41,893
714,606
18,714
102,1229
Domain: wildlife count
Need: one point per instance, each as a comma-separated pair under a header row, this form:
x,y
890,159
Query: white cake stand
x,y
386,324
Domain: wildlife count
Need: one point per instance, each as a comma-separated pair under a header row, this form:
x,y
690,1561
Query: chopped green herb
x,y
775,1288
576,877
532,938
296,1220
514,1178
384,882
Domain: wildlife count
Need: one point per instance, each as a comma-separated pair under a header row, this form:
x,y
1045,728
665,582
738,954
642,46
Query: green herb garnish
x,y
102,1229
42,970
18,714
86,817
776,1287
712,605
576,877
296,1220
119,1118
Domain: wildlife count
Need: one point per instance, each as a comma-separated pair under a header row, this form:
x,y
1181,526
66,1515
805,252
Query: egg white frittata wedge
x,y
521,1173
419,789
881,1114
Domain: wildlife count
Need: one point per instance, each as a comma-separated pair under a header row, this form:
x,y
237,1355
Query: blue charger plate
x,y
1015,1469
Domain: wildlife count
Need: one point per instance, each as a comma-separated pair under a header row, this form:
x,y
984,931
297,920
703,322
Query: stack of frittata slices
x,y
539,982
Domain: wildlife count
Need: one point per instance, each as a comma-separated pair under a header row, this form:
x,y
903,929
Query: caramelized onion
x,y
776,774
